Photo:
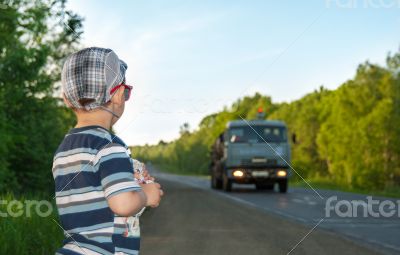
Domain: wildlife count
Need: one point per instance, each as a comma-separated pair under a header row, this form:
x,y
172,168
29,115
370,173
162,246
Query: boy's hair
x,y
89,75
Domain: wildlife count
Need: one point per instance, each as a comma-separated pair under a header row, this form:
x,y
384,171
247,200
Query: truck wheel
x,y
265,186
218,183
226,183
283,186
215,182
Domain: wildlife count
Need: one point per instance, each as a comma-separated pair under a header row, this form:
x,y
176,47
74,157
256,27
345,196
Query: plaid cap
x,y
89,75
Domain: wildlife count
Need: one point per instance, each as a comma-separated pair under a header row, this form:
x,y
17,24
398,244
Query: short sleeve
x,y
115,169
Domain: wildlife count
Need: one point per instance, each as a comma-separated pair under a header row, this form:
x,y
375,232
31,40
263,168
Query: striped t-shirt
x,y
90,165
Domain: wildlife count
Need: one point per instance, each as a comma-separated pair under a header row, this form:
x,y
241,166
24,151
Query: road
x,y
193,219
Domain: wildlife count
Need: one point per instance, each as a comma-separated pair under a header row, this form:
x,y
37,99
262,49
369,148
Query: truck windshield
x,y
247,135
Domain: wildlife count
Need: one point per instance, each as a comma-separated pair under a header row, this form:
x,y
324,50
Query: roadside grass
x,y
328,184
28,233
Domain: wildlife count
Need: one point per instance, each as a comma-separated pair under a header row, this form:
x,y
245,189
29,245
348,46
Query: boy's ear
x,y
119,96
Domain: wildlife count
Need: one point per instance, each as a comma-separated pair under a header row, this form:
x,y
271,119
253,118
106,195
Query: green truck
x,y
251,152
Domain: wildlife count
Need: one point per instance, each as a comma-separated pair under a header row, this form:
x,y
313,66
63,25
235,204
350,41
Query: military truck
x,y
251,151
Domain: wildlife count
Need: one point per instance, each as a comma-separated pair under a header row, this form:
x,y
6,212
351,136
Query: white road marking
x,y
305,201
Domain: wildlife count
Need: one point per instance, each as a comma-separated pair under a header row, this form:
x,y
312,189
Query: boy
x,y
96,190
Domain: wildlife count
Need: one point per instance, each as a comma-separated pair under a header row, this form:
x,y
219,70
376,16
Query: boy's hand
x,y
146,175
153,193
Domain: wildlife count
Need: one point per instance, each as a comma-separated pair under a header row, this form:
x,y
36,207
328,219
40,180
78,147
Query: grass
x,y
28,234
328,184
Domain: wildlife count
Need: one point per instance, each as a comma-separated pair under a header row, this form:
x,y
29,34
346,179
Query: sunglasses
x,y
127,90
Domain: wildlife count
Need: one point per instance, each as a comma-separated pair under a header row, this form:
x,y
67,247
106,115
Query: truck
x,y
251,152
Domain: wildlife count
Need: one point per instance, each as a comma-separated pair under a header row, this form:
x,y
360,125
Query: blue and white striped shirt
x,y
89,166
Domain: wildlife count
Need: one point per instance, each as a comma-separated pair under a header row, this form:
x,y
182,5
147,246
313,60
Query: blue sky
x,y
187,59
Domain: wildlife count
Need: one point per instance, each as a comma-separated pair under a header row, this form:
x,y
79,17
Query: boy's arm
x,y
130,203
127,203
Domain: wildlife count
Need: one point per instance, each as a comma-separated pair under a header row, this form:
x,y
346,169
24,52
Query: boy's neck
x,y
85,124
97,118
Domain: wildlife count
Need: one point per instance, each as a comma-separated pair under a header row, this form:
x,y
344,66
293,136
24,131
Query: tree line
x,y
349,135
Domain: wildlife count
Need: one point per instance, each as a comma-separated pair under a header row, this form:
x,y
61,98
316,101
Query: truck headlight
x,y
238,173
281,173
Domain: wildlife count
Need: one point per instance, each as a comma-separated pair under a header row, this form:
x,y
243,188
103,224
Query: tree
x,y
360,137
304,118
35,36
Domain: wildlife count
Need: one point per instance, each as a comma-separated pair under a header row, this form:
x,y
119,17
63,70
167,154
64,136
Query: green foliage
x,y
358,140
33,41
348,136
303,118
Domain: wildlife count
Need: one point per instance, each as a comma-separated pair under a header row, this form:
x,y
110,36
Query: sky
x,y
188,59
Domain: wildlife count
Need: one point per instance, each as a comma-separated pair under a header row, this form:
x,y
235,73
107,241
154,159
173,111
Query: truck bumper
x,y
250,176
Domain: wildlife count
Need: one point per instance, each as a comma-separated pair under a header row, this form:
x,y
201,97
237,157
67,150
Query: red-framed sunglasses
x,y
127,90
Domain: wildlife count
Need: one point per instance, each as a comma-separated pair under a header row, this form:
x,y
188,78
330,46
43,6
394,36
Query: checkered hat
x,y
89,75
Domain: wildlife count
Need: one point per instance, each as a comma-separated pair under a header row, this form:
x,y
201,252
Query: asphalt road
x,y
193,219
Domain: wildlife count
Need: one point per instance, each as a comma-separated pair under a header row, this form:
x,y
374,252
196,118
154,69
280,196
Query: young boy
x,y
96,190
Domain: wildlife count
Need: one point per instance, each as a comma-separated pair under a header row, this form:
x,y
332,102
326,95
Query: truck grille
x,y
259,162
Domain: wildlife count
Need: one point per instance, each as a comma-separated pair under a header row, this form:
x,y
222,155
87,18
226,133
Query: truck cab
x,y
251,152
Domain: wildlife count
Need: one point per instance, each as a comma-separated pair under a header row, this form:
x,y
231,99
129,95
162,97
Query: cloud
x,y
155,34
